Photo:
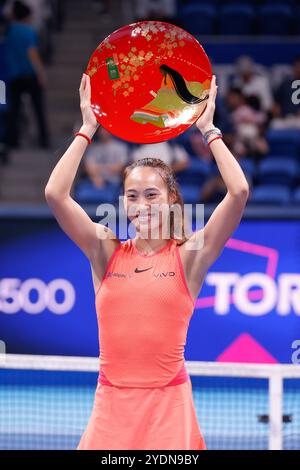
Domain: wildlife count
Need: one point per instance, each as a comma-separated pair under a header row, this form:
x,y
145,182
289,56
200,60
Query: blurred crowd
x,y
249,103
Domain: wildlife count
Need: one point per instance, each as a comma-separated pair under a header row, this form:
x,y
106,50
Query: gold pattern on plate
x,y
134,59
92,71
149,55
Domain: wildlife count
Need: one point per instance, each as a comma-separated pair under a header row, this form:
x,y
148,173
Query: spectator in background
x,y
41,20
172,154
104,160
252,83
285,112
40,12
26,75
249,123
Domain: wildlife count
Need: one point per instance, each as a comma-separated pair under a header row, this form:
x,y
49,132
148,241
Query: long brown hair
x,y
169,178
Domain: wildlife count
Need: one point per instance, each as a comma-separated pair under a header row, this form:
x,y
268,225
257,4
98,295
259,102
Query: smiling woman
x,y
150,198
145,291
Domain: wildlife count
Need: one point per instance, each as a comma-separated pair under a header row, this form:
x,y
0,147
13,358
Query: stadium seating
x,y
87,193
265,17
270,194
284,142
190,193
275,19
277,171
236,19
192,179
248,166
296,196
280,2
196,174
199,19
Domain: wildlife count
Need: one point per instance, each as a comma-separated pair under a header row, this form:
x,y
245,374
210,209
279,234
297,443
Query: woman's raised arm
x,y
227,215
71,217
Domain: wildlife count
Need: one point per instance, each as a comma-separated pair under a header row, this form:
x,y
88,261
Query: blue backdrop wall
x,y
248,309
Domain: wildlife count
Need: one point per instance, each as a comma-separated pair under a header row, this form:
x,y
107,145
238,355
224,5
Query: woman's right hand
x,y
89,121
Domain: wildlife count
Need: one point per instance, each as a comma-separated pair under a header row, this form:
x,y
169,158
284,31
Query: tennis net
x,y
46,401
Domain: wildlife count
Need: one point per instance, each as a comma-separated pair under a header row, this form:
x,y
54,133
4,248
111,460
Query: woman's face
x,y
146,201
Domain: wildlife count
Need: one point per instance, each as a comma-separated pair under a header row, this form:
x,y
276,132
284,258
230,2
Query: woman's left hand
x,y
205,121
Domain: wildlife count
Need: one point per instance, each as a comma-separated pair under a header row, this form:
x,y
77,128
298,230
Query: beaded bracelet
x,y
214,130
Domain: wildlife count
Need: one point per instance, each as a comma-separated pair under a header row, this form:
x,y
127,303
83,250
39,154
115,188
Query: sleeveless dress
x,y
144,398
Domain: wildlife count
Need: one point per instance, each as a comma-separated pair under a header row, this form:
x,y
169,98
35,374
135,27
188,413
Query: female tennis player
x,y
145,289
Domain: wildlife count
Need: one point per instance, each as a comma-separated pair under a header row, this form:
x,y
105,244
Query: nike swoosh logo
x,y
141,270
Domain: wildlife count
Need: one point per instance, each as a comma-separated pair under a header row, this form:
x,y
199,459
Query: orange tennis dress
x,y
144,398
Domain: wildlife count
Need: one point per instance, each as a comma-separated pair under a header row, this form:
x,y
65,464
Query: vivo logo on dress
x,y
163,274
166,274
